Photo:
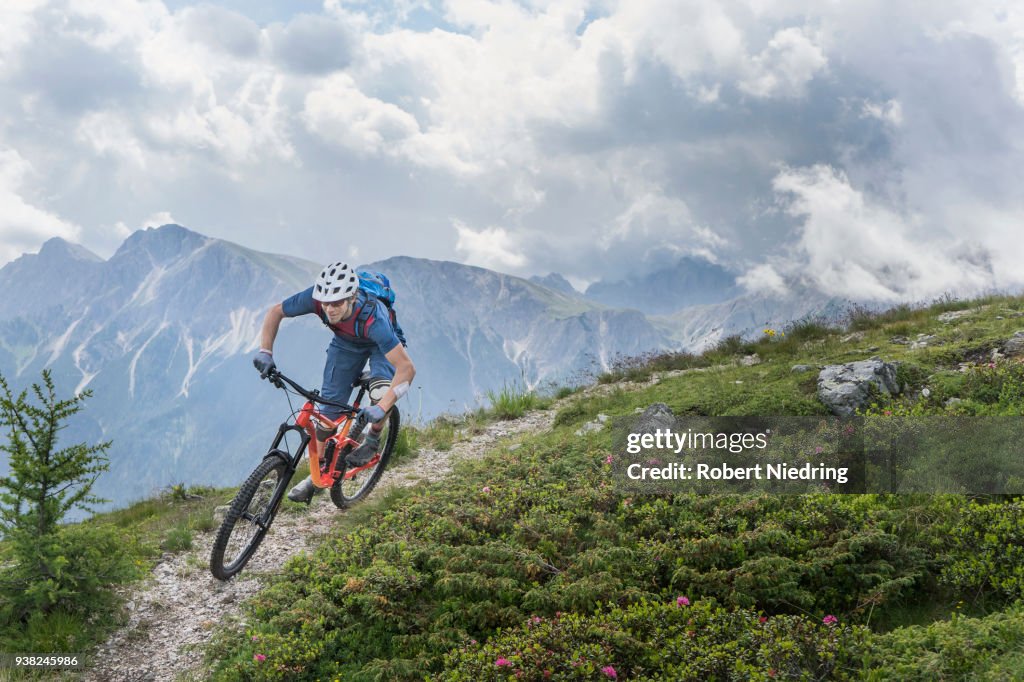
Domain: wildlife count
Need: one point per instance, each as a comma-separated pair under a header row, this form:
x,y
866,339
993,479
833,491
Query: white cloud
x,y
852,246
491,247
593,133
890,111
655,219
223,30
159,218
16,26
763,278
312,44
688,36
110,133
784,68
338,111
24,227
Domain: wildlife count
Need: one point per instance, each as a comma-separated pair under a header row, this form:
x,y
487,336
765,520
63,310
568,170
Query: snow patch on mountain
x,y
58,345
147,289
135,358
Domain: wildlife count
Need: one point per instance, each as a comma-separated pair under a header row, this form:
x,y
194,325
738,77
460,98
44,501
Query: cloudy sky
x,y
869,148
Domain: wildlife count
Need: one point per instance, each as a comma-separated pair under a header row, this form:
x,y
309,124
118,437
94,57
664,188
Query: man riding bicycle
x,y
340,304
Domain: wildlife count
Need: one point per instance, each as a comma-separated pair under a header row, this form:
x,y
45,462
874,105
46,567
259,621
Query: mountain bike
x,y
253,510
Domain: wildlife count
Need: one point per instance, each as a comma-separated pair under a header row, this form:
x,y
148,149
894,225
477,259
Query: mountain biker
x,y
337,300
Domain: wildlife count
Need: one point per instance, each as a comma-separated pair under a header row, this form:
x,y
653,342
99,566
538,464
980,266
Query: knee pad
x,y
378,387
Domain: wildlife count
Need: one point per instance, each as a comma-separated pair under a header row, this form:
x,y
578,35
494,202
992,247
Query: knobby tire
x,y
346,493
263,484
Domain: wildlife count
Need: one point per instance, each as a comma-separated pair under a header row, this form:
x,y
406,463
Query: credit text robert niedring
x,y
666,439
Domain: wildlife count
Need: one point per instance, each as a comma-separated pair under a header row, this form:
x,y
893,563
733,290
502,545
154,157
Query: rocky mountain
x,y
690,281
697,327
163,334
164,330
555,282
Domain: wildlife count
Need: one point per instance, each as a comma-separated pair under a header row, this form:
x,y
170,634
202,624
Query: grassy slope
x,y
539,532
449,564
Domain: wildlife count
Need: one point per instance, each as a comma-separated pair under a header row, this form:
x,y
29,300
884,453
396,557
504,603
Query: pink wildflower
x,y
609,459
609,672
259,658
255,638
501,662
818,450
830,620
486,489
536,619
682,601
762,619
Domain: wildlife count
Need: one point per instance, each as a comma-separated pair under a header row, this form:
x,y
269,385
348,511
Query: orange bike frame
x,y
321,475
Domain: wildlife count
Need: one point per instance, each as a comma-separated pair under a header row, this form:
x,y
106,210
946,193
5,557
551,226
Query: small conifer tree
x,y
42,485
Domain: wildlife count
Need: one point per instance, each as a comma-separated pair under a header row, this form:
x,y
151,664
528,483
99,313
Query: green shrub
x,y
989,648
439,434
178,539
83,563
407,445
911,375
512,401
987,550
203,522
662,641
810,329
733,345
900,329
639,368
542,530
996,383
564,392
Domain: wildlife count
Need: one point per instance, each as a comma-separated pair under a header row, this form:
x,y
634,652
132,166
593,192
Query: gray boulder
x,y
844,388
801,368
956,314
922,341
657,416
1014,346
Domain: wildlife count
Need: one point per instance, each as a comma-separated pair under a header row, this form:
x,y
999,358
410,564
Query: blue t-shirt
x,y
378,330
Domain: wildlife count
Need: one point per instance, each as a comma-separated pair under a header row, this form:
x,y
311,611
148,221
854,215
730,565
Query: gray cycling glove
x,y
264,362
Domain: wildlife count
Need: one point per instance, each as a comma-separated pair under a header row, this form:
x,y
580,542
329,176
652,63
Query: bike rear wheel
x,y
249,517
346,492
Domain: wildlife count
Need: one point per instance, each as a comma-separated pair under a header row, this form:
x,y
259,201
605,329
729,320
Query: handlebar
x,y
278,379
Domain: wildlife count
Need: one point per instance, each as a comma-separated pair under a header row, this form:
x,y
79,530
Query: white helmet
x,y
336,282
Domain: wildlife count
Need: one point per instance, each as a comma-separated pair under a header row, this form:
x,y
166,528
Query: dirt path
x,y
181,605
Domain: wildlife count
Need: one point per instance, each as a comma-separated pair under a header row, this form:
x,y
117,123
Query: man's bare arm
x,y
404,373
271,323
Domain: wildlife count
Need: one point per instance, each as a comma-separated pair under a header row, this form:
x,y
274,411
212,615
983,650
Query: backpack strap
x,y
365,317
397,327
319,308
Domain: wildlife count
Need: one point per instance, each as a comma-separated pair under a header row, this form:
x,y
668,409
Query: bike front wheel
x,y
249,517
347,491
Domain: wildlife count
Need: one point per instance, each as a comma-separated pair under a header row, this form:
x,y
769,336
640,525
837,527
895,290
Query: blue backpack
x,y
377,286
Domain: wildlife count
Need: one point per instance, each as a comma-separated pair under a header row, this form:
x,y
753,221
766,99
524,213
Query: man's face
x,y
337,311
